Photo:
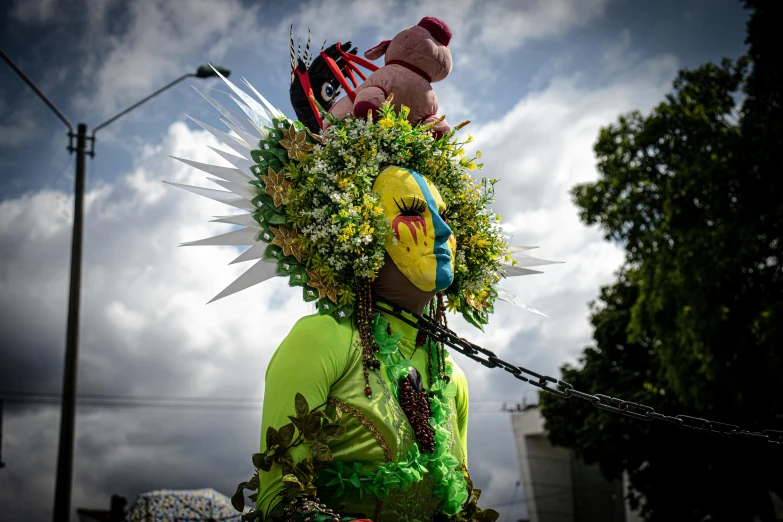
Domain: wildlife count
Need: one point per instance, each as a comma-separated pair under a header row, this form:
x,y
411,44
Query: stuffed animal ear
x,y
377,51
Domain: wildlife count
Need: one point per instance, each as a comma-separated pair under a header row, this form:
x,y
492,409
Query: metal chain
x,y
565,390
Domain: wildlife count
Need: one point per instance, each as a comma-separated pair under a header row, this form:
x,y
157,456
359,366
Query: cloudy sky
x,y
538,78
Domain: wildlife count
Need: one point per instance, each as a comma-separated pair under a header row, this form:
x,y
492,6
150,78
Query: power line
x,y
108,396
129,401
162,401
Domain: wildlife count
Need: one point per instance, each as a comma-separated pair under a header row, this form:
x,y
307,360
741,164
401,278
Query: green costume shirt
x,y
322,359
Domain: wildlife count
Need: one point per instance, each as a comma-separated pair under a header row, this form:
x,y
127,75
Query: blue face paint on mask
x,y
421,245
443,272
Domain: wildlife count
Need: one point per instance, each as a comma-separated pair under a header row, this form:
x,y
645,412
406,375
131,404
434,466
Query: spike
x,y
240,163
245,190
293,59
504,295
275,113
228,198
254,105
514,271
307,47
233,116
513,249
243,236
250,139
523,261
257,273
226,173
254,252
244,220
254,119
232,142
323,45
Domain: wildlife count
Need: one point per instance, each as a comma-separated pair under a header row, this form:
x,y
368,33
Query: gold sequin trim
x,y
356,414
378,506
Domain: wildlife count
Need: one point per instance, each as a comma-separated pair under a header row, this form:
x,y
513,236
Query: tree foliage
x,y
694,193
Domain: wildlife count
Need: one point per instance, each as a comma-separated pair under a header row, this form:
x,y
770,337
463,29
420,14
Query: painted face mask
x,y
425,245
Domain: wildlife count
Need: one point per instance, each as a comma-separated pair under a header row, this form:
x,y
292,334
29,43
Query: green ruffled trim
x,y
450,484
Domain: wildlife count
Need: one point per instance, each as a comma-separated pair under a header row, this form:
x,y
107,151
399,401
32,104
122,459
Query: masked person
x,y
324,361
377,223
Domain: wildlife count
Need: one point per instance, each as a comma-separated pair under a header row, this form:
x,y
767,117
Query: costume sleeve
x,y
313,356
461,407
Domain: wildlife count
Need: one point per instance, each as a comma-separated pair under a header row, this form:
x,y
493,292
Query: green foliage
x,y
471,512
314,427
693,192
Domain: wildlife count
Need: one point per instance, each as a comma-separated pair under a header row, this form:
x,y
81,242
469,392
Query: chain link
x,y
565,390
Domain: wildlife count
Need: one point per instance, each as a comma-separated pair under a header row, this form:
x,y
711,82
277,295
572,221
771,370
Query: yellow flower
x,y
386,123
479,154
470,139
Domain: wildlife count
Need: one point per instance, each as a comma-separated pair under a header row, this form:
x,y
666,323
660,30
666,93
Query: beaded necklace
x,y
411,395
431,451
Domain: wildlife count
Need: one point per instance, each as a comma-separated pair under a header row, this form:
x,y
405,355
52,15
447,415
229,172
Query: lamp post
x,y
62,496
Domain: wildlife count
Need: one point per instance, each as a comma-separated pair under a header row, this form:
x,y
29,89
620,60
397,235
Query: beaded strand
x,y
364,317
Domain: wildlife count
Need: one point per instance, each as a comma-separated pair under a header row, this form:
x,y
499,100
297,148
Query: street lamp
x,y
62,495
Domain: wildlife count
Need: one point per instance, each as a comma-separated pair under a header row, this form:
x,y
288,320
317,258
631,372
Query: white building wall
x,y
557,486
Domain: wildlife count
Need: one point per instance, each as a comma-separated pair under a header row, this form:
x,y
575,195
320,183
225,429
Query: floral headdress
x,y
314,219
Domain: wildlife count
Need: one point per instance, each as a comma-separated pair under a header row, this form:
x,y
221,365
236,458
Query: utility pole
x,y
62,492
2,464
63,484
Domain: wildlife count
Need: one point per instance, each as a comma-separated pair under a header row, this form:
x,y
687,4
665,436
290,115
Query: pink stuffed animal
x,y
414,59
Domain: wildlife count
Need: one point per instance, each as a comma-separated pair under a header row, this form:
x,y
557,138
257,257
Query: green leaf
x,y
266,463
320,451
333,413
487,515
321,414
258,459
306,467
238,498
284,459
300,403
272,252
272,215
287,434
253,483
312,426
292,481
297,422
330,432
272,437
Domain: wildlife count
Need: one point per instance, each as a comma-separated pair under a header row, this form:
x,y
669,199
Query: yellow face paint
x,y
421,245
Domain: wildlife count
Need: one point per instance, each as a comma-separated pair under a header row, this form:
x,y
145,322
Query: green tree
x,y
694,193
